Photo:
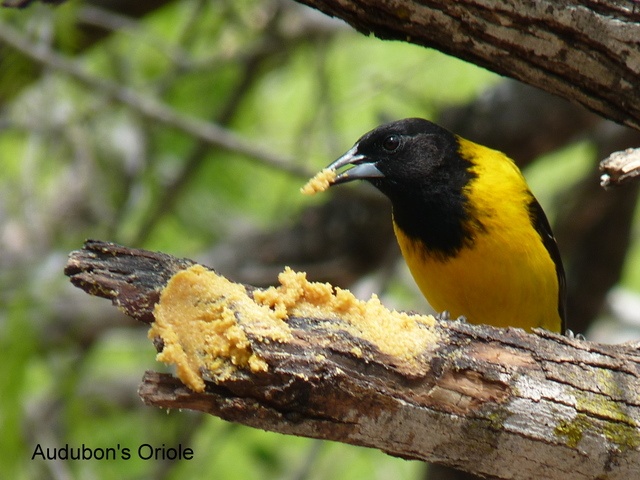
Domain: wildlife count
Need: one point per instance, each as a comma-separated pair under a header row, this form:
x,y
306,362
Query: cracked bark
x,y
584,51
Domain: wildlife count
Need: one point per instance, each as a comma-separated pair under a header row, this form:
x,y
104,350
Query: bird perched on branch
x,y
475,239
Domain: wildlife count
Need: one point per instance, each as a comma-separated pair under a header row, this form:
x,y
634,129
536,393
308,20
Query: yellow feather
x,y
506,277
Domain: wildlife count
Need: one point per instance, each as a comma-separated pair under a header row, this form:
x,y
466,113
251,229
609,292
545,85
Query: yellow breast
x,y
506,276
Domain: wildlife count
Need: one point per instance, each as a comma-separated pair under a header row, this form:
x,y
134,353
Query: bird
x,y
476,241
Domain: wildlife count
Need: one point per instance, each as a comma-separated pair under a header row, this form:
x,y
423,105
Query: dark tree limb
x,y
480,399
587,52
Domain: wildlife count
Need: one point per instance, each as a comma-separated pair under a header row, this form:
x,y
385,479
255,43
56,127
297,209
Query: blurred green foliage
x,y
76,164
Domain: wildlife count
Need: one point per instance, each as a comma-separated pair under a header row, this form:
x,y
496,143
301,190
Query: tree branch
x,y
584,51
620,167
474,397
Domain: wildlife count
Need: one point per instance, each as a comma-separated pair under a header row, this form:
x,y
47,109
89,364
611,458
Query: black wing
x,y
541,224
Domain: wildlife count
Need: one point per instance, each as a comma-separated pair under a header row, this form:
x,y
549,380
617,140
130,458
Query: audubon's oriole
x,y
476,240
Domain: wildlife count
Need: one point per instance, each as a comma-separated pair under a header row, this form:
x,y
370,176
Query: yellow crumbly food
x,y
320,182
196,320
394,333
205,322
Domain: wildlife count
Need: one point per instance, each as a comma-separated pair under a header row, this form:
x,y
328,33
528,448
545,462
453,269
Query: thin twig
x,y
151,108
193,160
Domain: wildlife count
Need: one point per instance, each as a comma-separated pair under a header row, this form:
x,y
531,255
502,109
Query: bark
x,y
620,167
480,399
587,52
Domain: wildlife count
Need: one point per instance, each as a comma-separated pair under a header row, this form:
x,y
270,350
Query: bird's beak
x,y
361,169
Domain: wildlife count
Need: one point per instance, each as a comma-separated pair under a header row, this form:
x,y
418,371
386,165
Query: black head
x,y
417,165
412,154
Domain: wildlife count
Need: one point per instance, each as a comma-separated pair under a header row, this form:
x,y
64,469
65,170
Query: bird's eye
x,y
391,143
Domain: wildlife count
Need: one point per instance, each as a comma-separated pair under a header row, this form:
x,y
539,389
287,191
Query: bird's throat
x,y
443,228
